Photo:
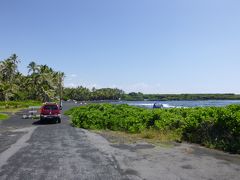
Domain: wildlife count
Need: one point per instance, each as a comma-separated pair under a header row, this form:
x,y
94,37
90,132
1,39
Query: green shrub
x,y
217,127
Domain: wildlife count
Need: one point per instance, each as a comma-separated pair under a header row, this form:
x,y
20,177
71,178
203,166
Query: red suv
x,y
50,111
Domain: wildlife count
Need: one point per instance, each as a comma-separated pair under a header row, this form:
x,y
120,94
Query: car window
x,y
50,107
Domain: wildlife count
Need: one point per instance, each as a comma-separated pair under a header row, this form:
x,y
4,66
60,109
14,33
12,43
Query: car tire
x,y
59,120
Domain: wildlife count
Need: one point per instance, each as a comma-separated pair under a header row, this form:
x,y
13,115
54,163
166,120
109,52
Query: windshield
x,y
50,107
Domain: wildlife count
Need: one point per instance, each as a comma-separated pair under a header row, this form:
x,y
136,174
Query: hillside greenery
x,y
215,127
85,94
41,83
177,97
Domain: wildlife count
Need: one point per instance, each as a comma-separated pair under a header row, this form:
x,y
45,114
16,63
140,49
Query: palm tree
x,y
33,67
9,70
42,84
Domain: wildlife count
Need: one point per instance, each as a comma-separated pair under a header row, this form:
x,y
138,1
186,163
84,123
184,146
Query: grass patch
x,y
10,110
118,137
161,136
16,106
3,116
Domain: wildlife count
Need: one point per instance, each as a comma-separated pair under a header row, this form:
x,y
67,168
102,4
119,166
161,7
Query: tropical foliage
x,y
84,94
42,83
216,127
169,97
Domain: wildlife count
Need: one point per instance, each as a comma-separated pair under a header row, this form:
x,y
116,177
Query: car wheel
x,y
59,120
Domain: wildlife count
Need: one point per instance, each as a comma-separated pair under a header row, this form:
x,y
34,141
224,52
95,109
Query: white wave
x,y
150,105
134,104
168,106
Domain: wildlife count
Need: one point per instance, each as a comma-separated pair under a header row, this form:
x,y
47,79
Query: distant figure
x,y
157,105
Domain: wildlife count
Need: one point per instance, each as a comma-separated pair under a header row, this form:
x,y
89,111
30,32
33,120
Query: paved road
x,y
30,150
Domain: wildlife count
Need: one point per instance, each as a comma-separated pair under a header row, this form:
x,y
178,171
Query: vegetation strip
x,y
18,104
215,127
3,116
84,94
42,83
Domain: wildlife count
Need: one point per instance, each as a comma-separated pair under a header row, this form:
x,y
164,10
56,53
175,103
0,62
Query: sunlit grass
x,y
162,136
16,106
3,116
151,136
10,110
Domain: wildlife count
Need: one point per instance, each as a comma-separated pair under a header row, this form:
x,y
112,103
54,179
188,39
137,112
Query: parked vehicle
x,y
157,105
50,111
32,112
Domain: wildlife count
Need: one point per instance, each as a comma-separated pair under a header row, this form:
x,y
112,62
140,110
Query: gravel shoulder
x,y
31,150
176,161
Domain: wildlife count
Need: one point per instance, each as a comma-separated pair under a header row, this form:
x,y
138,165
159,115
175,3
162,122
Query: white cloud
x,y
70,85
71,82
73,75
135,87
141,87
151,88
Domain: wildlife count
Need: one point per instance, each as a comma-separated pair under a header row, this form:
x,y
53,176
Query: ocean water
x,y
181,104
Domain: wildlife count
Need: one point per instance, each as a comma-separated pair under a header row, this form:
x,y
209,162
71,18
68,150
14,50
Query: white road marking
x,y
21,143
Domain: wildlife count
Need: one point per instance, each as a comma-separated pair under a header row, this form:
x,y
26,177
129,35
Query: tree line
x,y
41,83
84,94
178,97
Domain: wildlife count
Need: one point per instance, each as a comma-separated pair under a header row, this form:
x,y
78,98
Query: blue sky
x,y
152,46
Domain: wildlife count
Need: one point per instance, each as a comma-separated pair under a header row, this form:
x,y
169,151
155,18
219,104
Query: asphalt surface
x,y
32,150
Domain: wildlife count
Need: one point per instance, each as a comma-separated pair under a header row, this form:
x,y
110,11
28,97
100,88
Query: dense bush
x,y
217,127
